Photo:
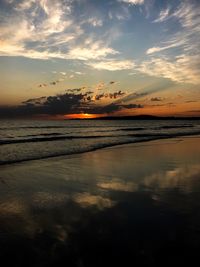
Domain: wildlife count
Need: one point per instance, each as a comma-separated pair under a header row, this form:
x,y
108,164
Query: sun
x,y
82,116
86,115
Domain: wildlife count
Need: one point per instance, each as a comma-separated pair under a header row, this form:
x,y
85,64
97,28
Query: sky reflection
x,y
103,208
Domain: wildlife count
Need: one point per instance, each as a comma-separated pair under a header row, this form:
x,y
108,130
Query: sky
x,y
89,58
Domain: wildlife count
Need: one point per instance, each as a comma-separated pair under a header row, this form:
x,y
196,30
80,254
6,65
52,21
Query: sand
x,y
136,203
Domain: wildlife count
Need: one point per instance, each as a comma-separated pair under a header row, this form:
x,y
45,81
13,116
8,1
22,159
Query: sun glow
x,y
83,116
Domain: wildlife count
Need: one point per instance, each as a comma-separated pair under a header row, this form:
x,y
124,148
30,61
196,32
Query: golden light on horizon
x,y
83,116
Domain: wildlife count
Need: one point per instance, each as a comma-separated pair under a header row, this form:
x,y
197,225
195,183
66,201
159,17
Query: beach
x,y
135,203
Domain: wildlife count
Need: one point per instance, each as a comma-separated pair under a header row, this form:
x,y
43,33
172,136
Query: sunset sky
x,y
99,57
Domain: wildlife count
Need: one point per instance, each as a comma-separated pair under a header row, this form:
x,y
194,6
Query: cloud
x,y
73,101
191,101
57,81
46,29
95,22
112,65
144,92
42,85
131,106
74,90
113,107
51,83
24,35
132,73
95,51
63,73
133,2
79,72
163,16
114,95
156,99
131,96
194,111
100,86
156,49
184,69
51,105
187,14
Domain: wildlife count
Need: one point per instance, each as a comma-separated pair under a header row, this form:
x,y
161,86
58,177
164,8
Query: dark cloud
x,y
74,90
99,97
117,94
67,103
130,106
51,105
157,105
131,97
42,85
170,103
53,83
191,101
88,98
157,99
146,91
194,111
35,101
111,108
114,95
57,81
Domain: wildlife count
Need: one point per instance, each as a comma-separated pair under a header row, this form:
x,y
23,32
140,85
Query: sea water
x,y
22,140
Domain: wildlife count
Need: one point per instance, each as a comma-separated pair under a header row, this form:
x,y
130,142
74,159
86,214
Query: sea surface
x,y
22,140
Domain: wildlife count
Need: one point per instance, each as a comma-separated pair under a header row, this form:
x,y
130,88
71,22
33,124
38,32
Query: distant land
x,y
138,117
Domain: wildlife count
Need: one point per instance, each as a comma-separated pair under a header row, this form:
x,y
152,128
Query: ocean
x,y
23,140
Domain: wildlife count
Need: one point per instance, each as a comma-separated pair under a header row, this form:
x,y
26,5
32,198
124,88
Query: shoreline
x,y
191,135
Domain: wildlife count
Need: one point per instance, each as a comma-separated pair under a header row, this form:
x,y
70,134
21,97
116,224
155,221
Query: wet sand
x,y
128,205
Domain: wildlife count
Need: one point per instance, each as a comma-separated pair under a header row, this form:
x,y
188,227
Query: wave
x,y
118,128
53,155
121,129
59,127
174,126
70,137
42,134
132,129
7,141
53,138
145,138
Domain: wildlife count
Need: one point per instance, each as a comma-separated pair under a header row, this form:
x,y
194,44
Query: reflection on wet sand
x,y
118,185
130,206
86,200
185,178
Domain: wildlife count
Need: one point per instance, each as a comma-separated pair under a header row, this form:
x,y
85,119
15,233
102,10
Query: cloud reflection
x,y
118,185
46,199
12,206
181,177
86,200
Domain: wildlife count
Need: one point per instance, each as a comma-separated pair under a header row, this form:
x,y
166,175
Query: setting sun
x,y
82,116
